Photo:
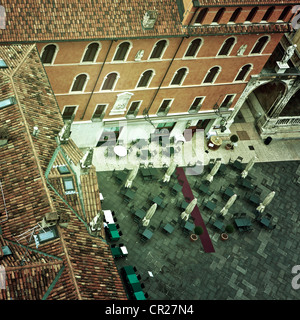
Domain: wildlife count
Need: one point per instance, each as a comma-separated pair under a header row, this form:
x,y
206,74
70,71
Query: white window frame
x,y
226,55
233,97
163,52
148,84
203,98
246,75
113,88
131,116
215,78
99,119
127,53
193,57
74,113
84,86
263,49
183,78
96,55
54,56
168,107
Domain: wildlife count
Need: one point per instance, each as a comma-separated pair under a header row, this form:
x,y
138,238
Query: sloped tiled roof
x,y
29,195
43,20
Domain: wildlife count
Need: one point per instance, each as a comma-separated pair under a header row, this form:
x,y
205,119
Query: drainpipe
x,y
100,71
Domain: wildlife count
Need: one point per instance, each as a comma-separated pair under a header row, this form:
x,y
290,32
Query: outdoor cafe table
x,y
242,222
184,204
228,193
158,200
246,183
177,187
169,228
108,216
132,278
147,234
139,295
122,176
116,252
136,287
219,225
129,194
265,221
210,205
204,188
128,270
145,172
189,226
140,214
254,199
114,233
153,172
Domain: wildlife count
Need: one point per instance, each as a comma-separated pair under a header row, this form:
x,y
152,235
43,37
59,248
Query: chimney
x,y
149,19
50,219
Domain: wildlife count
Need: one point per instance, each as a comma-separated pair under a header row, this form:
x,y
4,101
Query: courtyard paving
x,y
248,266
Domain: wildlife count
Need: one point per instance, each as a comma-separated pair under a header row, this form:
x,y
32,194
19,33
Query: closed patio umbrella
x,y
188,210
228,204
214,170
248,167
267,200
149,215
170,171
131,176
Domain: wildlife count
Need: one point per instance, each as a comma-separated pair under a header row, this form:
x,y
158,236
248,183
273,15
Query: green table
x,y
136,287
140,214
177,187
158,200
219,225
129,194
242,222
116,252
254,199
168,228
139,295
128,270
204,188
132,278
189,226
228,193
210,205
147,234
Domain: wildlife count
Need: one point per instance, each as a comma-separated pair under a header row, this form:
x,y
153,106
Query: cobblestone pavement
x,y
255,265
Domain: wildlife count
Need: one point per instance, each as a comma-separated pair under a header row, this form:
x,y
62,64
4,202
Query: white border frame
x,y
126,55
115,83
150,79
215,78
84,86
96,55
194,101
69,105
226,55
163,52
197,51
54,56
97,119
246,75
264,47
183,78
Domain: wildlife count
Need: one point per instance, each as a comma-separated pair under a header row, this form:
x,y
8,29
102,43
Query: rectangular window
x,y
133,109
48,235
68,184
7,102
63,169
227,101
6,251
3,64
164,107
68,112
99,112
196,105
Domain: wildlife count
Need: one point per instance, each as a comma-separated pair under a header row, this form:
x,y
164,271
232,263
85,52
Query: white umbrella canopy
x,y
214,170
229,203
170,171
267,200
149,215
131,176
248,167
188,210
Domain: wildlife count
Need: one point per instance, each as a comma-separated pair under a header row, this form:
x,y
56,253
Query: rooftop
x,y
78,263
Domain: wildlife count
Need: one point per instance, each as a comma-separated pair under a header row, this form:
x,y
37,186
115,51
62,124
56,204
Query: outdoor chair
x,y
272,227
139,277
240,159
146,295
134,188
120,233
134,268
268,215
211,161
151,228
142,285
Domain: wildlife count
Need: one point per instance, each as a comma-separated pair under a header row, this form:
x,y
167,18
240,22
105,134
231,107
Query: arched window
x,y
260,45
179,76
241,76
212,75
227,47
122,51
48,53
219,15
110,81
145,79
91,52
252,14
235,15
284,13
158,49
193,48
201,16
79,83
268,14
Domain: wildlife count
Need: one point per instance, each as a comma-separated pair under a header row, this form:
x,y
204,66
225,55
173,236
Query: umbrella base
x,y
193,237
224,236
